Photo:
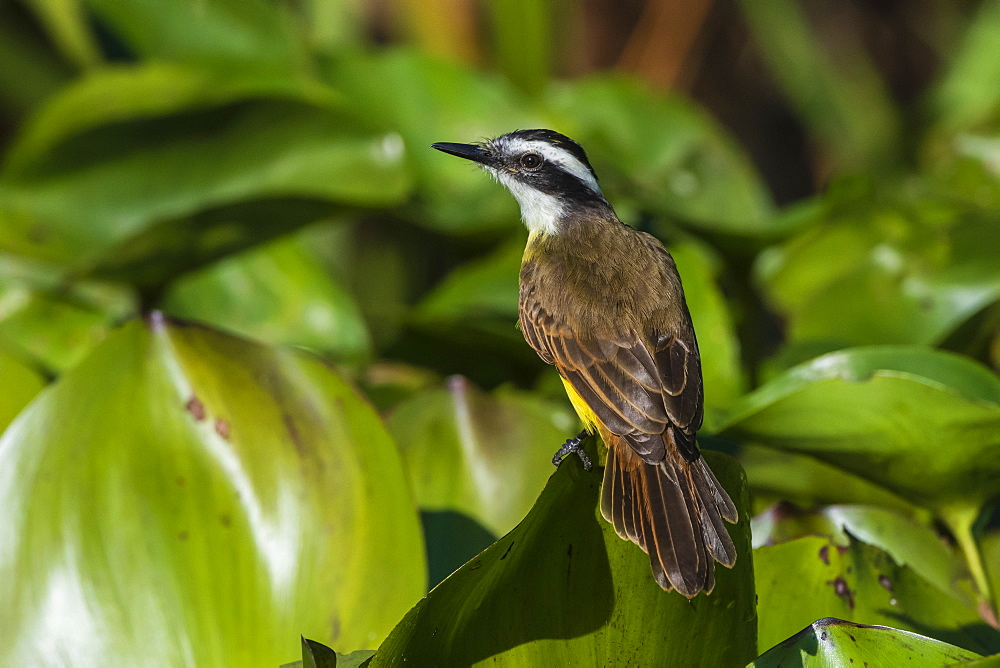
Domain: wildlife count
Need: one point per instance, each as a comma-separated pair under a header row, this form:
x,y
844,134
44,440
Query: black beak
x,y
468,151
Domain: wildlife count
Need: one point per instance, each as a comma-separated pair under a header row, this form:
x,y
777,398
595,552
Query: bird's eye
x,y
531,161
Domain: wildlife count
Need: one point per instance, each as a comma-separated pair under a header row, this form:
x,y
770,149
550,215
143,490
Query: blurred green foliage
x,y
179,494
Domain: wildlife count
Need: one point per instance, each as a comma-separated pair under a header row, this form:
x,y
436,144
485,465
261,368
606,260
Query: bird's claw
x,y
573,446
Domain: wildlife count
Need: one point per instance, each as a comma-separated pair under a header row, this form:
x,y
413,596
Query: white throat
x,y
539,211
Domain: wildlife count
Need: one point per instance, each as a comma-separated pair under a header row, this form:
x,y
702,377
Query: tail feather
x,y
675,511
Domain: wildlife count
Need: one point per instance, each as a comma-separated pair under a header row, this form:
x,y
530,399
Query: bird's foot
x,y
573,446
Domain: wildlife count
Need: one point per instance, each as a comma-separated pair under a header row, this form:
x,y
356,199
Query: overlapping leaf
x,y
835,642
278,293
486,455
815,577
184,167
872,274
922,423
666,153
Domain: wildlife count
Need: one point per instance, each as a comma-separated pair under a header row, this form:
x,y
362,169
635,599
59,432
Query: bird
x,y
603,303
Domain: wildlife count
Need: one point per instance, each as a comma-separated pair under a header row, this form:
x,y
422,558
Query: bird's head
x,y
547,172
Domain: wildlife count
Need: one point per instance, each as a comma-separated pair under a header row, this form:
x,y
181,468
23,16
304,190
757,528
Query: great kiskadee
x,y
604,304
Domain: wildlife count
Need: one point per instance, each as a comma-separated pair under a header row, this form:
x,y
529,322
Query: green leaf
x,y
144,92
481,295
20,385
924,424
967,94
317,655
276,293
665,153
51,326
884,274
66,23
524,40
193,497
486,455
838,92
230,34
906,540
834,642
777,475
812,577
562,587
147,189
874,412
429,101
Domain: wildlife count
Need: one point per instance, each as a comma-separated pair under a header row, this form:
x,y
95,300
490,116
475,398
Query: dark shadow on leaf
x,y
452,539
549,578
980,638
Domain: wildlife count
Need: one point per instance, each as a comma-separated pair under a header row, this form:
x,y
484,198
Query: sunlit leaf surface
x,y
925,424
815,577
20,384
830,642
183,497
563,588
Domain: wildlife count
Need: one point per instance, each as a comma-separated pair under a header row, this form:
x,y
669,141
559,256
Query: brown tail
x,y
674,511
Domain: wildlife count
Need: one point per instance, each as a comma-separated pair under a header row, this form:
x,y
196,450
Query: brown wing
x,y
637,385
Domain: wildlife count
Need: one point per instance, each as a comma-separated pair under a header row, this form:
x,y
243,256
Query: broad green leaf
x,y
665,153
814,577
146,188
834,642
183,497
54,326
120,94
486,455
429,101
562,588
20,385
225,34
777,475
480,295
924,424
880,413
317,655
277,293
884,274
907,541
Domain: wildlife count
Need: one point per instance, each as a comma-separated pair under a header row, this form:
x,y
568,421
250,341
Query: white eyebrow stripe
x,y
556,155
